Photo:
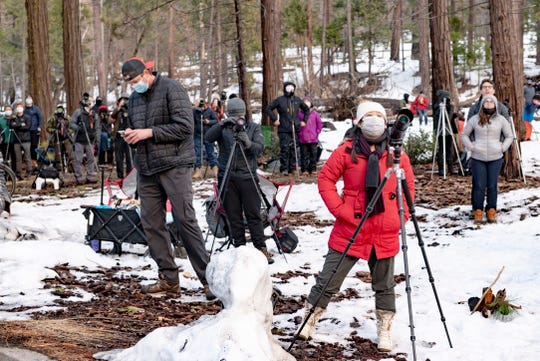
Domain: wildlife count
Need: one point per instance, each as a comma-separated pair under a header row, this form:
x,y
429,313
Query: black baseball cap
x,y
134,67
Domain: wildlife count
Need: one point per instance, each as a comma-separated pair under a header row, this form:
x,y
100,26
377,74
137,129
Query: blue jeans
x,y
422,116
485,176
209,149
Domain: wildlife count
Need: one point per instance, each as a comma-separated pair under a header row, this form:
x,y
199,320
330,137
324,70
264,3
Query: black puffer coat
x,y
225,138
166,109
287,106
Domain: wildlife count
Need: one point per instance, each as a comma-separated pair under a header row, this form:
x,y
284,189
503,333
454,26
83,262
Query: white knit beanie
x,y
366,107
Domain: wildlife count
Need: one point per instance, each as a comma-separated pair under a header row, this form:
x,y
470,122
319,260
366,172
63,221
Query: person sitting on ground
x,y
241,190
487,150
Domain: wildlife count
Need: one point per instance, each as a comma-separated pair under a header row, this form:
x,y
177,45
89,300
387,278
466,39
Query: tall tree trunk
x,y
309,37
350,47
470,28
171,41
270,38
242,66
441,54
507,71
99,49
202,51
38,57
396,31
323,43
423,45
211,51
73,66
222,55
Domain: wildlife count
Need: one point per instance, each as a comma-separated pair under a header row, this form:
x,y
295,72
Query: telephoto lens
x,y
403,120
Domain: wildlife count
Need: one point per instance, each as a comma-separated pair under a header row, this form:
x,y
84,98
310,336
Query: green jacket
x,y
4,129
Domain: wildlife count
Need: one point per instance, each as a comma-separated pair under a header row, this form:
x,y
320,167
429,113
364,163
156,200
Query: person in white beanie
x,y
361,161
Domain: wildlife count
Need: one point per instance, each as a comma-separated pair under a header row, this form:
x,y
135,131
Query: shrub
x,y
419,147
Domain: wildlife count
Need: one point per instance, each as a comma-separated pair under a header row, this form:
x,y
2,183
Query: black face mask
x,y
490,111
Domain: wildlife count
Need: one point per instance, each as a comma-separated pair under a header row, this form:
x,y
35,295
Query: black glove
x,y
227,122
243,138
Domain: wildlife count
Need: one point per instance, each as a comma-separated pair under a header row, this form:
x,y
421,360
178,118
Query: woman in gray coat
x,y
487,150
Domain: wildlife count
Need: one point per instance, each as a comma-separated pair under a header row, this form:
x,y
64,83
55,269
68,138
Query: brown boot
x,y
161,287
214,170
478,216
197,174
491,215
267,254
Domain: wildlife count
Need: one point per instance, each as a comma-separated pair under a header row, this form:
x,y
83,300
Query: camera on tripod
x,y
403,120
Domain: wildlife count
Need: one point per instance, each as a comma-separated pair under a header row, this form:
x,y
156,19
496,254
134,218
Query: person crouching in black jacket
x,y
240,195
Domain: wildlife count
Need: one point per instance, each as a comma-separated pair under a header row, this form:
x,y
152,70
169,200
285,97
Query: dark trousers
x,y
485,176
449,150
121,152
34,143
287,156
240,198
173,184
309,157
382,279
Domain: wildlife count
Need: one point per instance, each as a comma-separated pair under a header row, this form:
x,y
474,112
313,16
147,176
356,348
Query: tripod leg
x,y
412,212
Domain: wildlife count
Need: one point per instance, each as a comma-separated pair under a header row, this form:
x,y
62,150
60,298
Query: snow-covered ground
x,y
466,259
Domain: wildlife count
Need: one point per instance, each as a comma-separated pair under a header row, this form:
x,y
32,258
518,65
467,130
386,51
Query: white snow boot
x,y
384,323
310,324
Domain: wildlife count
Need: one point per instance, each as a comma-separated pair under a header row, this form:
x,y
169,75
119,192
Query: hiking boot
x,y
267,254
384,323
208,294
284,172
491,215
162,287
309,327
478,216
91,180
214,170
197,174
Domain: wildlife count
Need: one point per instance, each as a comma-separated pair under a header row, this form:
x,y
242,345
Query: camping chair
x,y
122,190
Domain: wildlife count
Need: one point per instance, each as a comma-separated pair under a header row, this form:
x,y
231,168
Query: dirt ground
x,y
119,315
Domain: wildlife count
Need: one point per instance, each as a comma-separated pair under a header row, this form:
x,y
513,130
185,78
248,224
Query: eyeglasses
x,y
487,86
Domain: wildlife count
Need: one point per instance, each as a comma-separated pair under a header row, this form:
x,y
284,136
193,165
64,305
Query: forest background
x,y
54,50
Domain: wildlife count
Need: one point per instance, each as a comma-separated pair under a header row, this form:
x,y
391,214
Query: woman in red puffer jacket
x,y
362,161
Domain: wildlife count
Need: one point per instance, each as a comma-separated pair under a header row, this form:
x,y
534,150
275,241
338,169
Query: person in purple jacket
x,y
308,137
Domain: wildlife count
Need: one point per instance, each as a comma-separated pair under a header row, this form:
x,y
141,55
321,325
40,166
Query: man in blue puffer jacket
x,y
160,129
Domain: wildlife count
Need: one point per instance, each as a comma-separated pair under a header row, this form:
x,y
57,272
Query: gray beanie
x,y
236,107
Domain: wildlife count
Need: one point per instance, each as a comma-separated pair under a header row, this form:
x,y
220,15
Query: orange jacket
x,y
380,230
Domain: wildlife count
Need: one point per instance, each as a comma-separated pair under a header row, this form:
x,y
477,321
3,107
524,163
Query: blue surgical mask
x,y
140,87
8,113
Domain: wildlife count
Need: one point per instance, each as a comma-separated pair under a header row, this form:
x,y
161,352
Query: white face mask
x,y
20,110
9,113
373,127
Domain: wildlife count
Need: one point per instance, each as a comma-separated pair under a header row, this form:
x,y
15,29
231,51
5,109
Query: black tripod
x,y
237,147
402,190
